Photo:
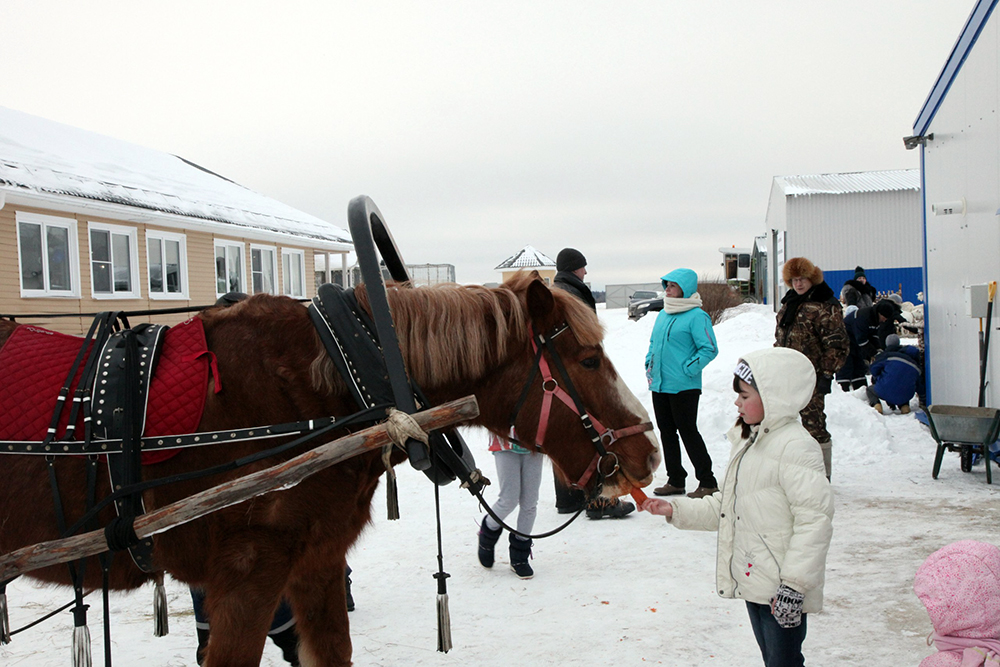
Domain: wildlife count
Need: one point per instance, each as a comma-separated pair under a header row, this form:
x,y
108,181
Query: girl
x,y
774,514
520,474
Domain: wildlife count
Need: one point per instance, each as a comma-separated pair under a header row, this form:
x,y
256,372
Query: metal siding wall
x,y
884,280
840,231
962,161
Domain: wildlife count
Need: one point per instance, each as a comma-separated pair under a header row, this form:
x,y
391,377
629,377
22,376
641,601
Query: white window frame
x,y
222,243
181,240
274,267
133,245
74,255
301,254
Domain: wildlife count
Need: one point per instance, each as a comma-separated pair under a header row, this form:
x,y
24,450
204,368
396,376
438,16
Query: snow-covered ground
x,y
625,592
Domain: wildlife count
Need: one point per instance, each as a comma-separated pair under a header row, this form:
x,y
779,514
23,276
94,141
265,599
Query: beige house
x,y
89,223
527,259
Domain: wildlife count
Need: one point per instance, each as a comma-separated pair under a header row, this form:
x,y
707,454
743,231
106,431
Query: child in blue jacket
x,y
682,344
895,373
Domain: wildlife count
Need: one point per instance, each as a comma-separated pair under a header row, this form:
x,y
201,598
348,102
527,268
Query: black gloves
x,y
823,383
786,607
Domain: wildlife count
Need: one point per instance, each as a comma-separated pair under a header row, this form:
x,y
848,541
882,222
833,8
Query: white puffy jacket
x,y
774,513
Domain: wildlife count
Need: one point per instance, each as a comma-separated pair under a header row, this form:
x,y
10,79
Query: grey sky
x,y
644,134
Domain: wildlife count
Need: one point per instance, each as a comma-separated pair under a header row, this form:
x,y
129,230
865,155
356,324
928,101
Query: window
x,y
166,255
263,269
48,254
114,261
293,272
229,273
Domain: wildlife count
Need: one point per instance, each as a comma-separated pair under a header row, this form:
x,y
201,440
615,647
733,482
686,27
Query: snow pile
x,y
626,592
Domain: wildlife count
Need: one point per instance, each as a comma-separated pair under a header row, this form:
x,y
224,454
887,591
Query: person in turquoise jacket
x,y
682,344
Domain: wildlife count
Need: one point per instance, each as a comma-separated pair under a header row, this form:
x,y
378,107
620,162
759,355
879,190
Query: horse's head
x,y
573,404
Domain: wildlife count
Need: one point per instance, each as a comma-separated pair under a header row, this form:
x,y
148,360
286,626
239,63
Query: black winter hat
x,y
859,272
570,259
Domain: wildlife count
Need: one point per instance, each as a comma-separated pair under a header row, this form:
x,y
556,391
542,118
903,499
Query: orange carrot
x,y
638,495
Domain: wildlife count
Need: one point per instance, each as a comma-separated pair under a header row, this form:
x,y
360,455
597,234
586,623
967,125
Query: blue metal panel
x,y
884,280
966,40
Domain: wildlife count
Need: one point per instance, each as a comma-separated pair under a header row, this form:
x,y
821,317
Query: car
x,y
642,302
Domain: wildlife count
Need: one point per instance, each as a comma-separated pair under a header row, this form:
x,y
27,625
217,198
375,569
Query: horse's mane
x,y
450,332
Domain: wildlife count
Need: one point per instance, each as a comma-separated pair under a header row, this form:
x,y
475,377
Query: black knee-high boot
x,y
487,540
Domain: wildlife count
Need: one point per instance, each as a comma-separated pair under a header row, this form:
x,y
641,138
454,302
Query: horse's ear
x,y
540,301
535,275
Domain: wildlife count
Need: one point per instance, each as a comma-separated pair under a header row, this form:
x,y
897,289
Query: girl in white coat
x,y
774,513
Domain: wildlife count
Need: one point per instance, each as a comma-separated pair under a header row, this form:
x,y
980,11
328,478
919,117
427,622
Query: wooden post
x,y
283,476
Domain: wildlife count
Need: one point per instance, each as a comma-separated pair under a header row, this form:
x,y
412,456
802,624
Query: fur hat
x,y
800,267
859,273
570,259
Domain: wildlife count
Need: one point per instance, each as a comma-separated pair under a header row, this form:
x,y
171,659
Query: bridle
x,y
600,437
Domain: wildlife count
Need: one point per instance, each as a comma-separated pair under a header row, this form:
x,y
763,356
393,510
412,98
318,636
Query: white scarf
x,y
673,305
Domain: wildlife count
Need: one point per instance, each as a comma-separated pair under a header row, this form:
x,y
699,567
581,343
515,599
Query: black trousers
x,y
678,414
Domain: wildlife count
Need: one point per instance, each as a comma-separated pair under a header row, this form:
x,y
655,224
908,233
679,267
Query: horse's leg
x,y
318,597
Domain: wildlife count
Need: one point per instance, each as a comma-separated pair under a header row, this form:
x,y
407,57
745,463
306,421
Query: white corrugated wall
x,y
963,249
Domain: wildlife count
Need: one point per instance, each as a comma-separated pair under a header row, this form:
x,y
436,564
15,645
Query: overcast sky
x,y
643,133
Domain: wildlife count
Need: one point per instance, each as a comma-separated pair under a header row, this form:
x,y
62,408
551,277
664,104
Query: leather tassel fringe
x,y
4,620
81,646
161,619
444,623
391,496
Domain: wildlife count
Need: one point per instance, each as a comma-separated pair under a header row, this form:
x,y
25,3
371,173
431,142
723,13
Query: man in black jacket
x,y
571,267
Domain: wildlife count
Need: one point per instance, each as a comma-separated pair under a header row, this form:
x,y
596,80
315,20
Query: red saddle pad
x,y
34,364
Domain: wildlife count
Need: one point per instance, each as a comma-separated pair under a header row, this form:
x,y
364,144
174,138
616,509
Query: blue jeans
x,y
780,647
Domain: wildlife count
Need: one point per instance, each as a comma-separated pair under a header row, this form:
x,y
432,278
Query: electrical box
x,y
976,300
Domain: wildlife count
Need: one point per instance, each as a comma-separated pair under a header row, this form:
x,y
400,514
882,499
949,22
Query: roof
x,y
848,183
526,258
974,25
42,157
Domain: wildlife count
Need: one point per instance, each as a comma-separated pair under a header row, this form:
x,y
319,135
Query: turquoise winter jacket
x,y
682,344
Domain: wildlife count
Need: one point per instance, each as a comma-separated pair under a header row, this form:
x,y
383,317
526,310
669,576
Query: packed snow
x,y
633,591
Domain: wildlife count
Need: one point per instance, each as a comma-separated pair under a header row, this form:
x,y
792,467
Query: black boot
x,y
202,644
520,551
288,641
487,540
347,587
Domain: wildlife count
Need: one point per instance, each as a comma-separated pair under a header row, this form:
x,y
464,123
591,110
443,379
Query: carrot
x,y
638,495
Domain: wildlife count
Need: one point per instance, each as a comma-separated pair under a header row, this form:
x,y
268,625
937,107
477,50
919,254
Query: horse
x,y
292,543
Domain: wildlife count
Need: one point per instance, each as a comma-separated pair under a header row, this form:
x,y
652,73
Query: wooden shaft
x,y
284,475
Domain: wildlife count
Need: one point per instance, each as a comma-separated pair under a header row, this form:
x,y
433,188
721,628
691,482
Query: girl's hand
x,y
657,506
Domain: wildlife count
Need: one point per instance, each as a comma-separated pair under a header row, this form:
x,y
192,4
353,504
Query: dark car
x,y
644,301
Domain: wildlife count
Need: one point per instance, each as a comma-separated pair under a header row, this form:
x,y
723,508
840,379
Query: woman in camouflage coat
x,y
811,321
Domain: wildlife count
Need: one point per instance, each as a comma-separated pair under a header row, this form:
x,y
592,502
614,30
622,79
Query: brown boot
x,y
702,491
878,407
668,490
904,409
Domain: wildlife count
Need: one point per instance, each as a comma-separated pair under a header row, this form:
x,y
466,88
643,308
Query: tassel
x,y
161,619
4,620
391,497
444,616
81,646
444,624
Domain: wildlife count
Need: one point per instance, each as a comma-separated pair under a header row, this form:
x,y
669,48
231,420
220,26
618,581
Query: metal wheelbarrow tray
x,y
965,430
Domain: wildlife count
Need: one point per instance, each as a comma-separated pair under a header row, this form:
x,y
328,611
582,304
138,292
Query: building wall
x,y
961,161
547,275
200,274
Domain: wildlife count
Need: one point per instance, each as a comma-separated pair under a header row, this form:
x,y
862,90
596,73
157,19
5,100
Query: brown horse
x,y
455,340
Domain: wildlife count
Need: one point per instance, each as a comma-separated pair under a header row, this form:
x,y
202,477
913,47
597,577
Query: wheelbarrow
x,y
965,430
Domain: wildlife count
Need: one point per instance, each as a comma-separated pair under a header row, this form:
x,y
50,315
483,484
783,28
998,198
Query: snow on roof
x,y
853,182
40,156
526,258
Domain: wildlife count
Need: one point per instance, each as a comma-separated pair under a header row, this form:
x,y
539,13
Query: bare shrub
x,y
716,298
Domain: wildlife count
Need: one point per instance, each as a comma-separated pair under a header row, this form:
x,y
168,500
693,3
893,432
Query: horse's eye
x,y
591,363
